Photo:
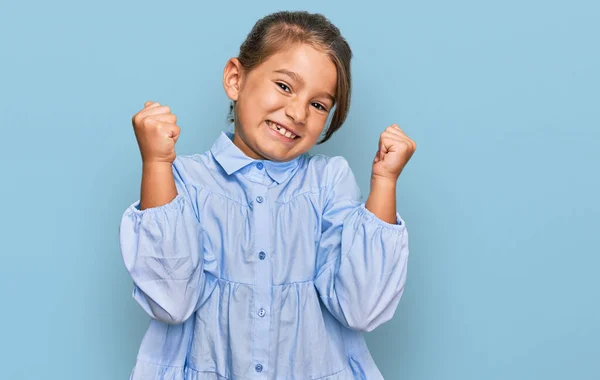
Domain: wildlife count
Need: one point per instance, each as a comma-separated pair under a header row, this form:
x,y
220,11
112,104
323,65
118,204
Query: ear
x,y
232,78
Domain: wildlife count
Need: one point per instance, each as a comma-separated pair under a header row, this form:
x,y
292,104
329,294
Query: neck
x,y
239,142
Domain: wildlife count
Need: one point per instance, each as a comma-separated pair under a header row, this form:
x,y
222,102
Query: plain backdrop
x,y
500,199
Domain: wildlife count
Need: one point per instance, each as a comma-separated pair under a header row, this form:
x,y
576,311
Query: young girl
x,y
256,259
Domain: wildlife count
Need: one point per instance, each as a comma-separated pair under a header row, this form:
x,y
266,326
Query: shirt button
x,y
262,312
259,199
260,165
258,368
262,255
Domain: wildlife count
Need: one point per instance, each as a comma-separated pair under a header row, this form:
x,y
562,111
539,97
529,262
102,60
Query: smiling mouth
x,y
281,130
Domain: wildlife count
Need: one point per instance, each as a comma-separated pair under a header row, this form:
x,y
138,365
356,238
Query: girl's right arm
x,y
160,236
158,185
156,132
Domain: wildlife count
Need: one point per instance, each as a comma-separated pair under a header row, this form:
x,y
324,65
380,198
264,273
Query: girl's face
x,y
283,103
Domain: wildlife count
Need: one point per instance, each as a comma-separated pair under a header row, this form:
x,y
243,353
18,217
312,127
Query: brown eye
x,y
283,87
319,106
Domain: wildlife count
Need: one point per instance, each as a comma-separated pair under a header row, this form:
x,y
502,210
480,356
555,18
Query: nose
x,y
297,110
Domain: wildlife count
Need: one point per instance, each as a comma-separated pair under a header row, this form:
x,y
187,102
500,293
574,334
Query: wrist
x,y
157,165
383,182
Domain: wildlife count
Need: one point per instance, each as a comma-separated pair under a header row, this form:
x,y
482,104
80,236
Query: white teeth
x,y
280,129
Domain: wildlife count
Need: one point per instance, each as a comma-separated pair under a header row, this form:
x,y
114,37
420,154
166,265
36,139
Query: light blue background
x,y
501,197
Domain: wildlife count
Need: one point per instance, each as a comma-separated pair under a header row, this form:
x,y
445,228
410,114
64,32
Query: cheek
x,y
268,101
317,125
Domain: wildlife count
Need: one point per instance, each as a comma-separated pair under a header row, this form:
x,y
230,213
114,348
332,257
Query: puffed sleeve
x,y
162,251
364,259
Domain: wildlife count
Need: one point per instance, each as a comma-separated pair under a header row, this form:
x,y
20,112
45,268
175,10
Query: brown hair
x,y
280,29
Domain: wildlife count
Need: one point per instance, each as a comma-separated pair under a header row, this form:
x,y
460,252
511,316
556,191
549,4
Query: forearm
x,y
382,200
158,185
363,290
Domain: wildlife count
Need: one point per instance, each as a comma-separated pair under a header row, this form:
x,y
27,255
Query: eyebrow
x,y
296,77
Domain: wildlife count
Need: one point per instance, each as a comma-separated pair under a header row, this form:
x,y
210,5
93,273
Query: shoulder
x,y
193,168
331,169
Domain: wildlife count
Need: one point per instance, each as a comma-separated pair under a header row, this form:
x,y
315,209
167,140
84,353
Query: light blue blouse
x,y
262,270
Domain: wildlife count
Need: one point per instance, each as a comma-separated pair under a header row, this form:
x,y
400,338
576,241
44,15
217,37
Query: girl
x,y
256,259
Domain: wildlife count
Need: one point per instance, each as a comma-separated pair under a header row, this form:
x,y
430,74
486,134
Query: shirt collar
x,y
232,159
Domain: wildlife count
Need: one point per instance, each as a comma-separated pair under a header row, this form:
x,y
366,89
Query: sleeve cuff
x,y
173,205
368,215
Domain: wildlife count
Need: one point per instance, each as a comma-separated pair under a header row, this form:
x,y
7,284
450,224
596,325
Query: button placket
x,y
262,279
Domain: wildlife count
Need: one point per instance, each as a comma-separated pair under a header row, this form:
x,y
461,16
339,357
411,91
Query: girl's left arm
x,y
364,246
395,149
